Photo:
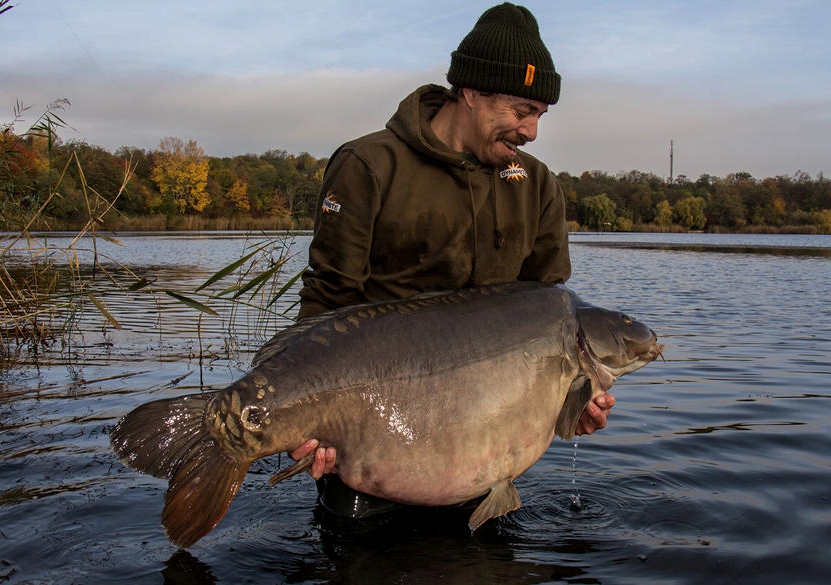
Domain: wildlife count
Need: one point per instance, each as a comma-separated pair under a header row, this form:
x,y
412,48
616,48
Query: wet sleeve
x,y
340,249
549,260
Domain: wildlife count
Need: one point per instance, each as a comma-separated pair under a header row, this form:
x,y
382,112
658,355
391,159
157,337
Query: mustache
x,y
518,140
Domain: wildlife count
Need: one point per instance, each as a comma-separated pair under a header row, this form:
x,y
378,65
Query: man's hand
x,y
324,457
594,417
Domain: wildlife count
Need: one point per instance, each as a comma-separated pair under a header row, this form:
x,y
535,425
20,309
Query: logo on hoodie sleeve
x,y
514,172
330,205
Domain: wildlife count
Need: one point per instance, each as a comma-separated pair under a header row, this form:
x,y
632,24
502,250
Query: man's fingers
x,y
329,459
324,462
595,415
605,401
585,424
304,449
319,464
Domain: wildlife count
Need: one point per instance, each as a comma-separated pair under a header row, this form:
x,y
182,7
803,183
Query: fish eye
x,y
252,417
627,320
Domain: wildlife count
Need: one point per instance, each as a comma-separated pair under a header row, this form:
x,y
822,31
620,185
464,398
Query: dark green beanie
x,y
505,54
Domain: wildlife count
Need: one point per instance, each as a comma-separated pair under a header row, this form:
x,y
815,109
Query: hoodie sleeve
x,y
339,252
549,260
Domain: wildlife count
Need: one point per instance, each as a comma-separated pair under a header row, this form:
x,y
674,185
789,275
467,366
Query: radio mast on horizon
x,y
670,161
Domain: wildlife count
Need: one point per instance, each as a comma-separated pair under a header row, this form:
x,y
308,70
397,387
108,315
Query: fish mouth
x,y
655,350
659,352
640,359
603,375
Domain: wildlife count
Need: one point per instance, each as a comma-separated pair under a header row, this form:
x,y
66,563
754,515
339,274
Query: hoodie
x,y
399,213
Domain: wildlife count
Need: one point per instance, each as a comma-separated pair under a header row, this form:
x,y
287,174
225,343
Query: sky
x,y
736,86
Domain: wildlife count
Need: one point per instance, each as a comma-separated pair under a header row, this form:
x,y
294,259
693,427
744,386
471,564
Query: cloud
x,y
598,124
310,111
742,86
618,126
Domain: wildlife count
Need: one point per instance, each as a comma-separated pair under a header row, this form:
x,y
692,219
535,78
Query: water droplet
x,y
576,504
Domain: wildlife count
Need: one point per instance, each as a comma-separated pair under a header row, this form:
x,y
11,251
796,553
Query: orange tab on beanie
x,y
529,75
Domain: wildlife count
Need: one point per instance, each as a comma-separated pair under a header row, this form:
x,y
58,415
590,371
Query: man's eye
x,y
521,113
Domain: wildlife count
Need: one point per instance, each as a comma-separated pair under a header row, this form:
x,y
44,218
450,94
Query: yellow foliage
x,y
778,210
181,174
823,220
279,209
663,215
237,194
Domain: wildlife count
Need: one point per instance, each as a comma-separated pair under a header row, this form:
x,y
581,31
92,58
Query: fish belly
x,y
444,438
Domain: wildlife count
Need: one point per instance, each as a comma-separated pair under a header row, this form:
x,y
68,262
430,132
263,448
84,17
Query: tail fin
x,y
200,492
155,437
168,439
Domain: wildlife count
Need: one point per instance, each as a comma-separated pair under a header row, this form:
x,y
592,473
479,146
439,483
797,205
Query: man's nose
x,y
528,128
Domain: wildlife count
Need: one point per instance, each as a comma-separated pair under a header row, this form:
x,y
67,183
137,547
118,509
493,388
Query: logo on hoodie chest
x,y
514,172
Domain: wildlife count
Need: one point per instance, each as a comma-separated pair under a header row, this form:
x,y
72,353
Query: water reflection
x,y
429,548
718,248
714,467
185,569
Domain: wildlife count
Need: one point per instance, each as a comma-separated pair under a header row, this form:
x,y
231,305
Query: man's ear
x,y
470,96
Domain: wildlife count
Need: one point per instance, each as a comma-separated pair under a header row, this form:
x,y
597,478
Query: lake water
x,y
715,466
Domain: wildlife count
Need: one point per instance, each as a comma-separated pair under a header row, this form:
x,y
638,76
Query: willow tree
x,y
689,212
180,172
597,212
663,213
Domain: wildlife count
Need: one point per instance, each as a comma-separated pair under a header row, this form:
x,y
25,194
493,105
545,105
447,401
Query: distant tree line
x,y
177,186
738,202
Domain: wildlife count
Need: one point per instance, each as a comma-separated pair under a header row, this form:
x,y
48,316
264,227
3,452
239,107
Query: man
x,y
443,198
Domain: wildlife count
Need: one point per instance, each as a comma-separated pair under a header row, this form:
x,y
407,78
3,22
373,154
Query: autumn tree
x,y
597,212
822,219
19,165
663,214
91,177
141,196
280,211
27,177
725,206
567,183
237,196
635,194
180,172
689,212
640,203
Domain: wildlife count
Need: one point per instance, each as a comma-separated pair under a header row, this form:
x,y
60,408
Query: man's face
x,y
502,123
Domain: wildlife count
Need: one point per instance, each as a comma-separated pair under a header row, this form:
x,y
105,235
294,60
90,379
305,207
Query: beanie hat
x,y
505,54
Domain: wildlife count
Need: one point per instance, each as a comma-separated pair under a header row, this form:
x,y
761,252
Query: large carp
x,y
432,400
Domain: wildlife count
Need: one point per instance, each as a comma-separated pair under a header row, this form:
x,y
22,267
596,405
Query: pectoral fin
x,y
300,466
503,498
578,397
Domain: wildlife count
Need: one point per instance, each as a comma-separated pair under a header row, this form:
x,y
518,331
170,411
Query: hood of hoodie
x,y
411,123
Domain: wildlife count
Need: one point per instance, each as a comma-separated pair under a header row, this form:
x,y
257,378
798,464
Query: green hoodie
x,y
400,213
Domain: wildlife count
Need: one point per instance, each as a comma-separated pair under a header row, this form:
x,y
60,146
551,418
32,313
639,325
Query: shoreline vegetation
x,y
47,289
50,186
